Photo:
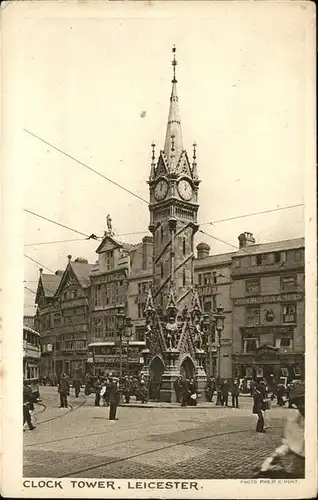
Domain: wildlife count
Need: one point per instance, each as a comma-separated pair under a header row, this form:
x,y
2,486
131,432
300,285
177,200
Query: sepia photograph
x,y
159,162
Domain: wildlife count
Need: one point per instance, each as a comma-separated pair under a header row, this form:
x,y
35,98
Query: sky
x,y
96,84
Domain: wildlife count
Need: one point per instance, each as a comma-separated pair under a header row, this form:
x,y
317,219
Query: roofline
x,y
30,330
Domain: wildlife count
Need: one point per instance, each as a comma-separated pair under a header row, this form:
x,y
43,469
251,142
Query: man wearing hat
x,y
293,443
113,398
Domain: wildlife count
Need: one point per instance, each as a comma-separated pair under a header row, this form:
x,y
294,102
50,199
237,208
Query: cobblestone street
x,y
205,442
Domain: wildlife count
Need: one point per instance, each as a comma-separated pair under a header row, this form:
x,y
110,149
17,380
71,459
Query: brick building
x,y
117,280
268,308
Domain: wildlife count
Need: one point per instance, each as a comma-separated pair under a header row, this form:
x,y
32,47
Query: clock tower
x,y
174,337
173,185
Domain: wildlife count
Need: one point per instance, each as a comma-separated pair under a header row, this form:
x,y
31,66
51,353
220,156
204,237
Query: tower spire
x,y
173,143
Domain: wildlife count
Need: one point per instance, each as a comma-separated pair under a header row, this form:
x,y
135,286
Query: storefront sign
x,y
268,299
253,331
115,359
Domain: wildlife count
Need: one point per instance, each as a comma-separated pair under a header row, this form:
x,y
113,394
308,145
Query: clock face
x,y
185,189
161,189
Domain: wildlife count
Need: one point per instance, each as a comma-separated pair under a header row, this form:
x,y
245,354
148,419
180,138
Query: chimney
x,y
81,260
246,239
147,252
203,250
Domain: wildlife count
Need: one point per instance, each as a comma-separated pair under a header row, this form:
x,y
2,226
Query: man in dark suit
x,y
235,394
113,398
225,391
27,398
64,390
258,409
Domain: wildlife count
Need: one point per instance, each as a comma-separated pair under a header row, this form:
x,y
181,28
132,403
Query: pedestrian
x,y
258,409
63,390
263,388
185,392
192,396
252,387
219,394
235,393
27,398
225,391
293,443
143,391
280,392
97,388
77,386
208,390
113,398
178,388
126,389
104,393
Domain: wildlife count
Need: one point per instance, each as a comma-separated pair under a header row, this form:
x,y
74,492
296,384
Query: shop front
x,y
105,358
267,362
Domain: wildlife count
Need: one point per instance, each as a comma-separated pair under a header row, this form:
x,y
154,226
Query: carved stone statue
x,y
148,334
109,225
197,334
171,331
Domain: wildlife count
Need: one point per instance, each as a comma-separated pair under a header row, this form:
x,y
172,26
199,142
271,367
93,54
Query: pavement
x,y
203,442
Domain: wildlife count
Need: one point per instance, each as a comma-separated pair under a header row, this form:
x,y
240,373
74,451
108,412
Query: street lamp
x,y
219,327
124,328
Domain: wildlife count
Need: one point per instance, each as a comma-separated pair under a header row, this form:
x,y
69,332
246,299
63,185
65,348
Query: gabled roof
x,y
108,243
47,285
82,271
76,271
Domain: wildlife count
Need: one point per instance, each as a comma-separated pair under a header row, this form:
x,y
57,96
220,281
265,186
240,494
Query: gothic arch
x,y
156,369
187,366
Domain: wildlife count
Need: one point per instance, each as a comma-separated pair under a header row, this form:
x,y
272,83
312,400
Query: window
x,y
161,234
215,278
237,263
289,282
252,316
253,286
140,333
289,313
298,255
109,259
161,270
206,278
268,259
207,305
141,308
284,342
80,345
200,279
184,245
256,260
250,344
74,294
183,277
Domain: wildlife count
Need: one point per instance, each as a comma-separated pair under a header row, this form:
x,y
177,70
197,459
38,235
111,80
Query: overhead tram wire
x,y
52,242
142,199
252,214
146,232
39,263
57,223
86,166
